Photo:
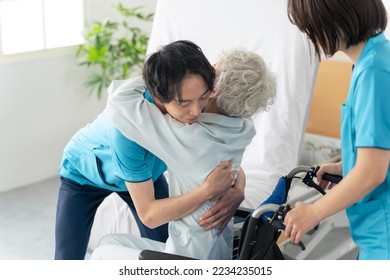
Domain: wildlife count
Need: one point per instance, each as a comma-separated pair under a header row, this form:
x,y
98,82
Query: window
x,y
31,25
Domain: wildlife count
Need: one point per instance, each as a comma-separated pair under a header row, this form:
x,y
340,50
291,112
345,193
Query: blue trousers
x,y
76,208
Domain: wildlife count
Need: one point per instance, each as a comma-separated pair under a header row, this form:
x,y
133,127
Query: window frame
x,y
45,52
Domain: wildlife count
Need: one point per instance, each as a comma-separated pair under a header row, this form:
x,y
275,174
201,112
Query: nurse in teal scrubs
x,y
365,126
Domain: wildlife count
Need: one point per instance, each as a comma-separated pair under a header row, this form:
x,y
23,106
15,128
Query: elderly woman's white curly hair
x,y
245,85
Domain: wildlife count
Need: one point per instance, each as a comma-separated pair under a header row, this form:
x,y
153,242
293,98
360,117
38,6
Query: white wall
x,y
42,104
387,5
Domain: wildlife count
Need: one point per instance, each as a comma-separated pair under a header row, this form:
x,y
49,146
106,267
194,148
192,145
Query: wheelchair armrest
x,y
242,212
157,255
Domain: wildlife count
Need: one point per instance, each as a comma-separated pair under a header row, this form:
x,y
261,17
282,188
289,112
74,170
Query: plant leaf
x,y
116,48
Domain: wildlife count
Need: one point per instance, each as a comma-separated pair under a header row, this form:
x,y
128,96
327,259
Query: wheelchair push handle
x,y
329,177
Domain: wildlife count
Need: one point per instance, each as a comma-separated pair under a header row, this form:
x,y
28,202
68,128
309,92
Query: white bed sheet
x,y
261,26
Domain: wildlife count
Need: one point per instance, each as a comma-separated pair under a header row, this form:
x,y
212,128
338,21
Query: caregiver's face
x,y
194,97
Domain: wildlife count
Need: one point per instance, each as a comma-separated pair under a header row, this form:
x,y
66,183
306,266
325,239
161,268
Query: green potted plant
x,y
114,49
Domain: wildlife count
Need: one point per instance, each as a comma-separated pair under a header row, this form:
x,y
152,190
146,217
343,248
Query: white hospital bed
x,y
261,26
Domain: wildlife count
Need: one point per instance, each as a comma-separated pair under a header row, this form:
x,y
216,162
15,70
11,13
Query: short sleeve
x,y
130,159
371,111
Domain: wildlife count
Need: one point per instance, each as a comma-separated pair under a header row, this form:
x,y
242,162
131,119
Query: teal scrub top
x,y
99,155
366,123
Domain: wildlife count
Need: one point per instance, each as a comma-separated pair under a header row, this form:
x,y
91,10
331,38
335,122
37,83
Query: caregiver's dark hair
x,y
164,70
330,22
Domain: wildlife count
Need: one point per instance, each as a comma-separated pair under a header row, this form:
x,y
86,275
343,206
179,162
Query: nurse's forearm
x,y
370,170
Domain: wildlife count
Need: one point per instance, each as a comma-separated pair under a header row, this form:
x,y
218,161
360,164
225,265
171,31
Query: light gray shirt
x,y
191,152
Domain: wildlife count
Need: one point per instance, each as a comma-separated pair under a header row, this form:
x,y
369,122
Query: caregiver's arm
x,y
155,212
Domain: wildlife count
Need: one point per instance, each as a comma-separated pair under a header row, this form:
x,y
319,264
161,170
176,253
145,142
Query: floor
x,y
27,218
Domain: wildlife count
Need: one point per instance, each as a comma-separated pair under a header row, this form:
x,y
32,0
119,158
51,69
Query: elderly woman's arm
x,y
222,212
